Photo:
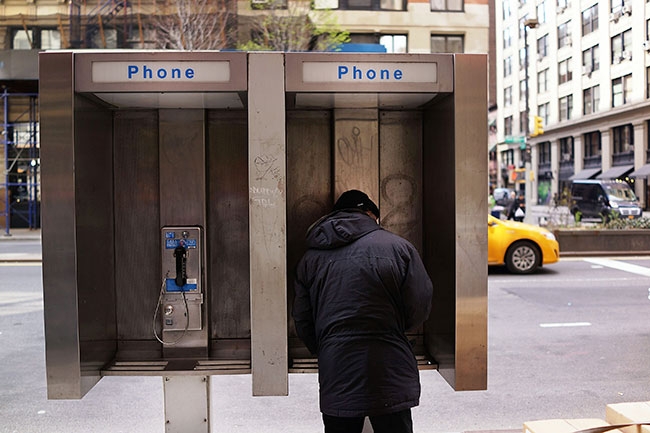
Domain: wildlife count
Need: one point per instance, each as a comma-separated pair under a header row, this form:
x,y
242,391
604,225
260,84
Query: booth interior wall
x,y
227,233
356,151
309,192
400,165
331,151
400,174
137,226
93,174
439,210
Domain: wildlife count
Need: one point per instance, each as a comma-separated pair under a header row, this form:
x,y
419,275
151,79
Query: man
x,y
359,288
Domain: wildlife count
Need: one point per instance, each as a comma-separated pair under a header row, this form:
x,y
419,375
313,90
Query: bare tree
x,y
294,26
194,24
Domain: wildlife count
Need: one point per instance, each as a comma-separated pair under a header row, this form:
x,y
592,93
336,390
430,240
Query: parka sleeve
x,y
303,315
417,292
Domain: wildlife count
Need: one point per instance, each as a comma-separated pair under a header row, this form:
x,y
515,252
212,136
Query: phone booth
x,y
410,130
177,188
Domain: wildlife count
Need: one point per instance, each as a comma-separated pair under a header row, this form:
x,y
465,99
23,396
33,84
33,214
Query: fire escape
x,y
89,29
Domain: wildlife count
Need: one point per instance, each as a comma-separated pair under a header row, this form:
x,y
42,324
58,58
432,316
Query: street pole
x,y
528,188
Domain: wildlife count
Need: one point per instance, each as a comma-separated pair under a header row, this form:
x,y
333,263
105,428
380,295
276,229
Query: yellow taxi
x,y
521,247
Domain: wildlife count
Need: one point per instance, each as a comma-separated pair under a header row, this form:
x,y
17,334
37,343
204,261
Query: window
x,y
507,37
592,144
447,44
447,5
617,5
590,60
108,41
621,90
22,40
50,39
647,80
565,73
542,81
564,35
507,66
623,139
563,4
566,149
371,5
507,96
35,38
543,112
544,150
542,47
622,46
507,126
523,122
566,107
393,43
541,12
507,158
505,4
522,27
522,90
590,20
522,59
591,100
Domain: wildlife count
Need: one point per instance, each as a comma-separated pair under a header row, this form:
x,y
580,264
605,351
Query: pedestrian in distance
x,y
359,289
519,208
511,207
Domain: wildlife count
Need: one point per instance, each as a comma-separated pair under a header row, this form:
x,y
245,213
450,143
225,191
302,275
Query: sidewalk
x,y
21,235
21,245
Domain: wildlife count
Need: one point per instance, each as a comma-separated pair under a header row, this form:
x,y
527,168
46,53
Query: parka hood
x,y
340,228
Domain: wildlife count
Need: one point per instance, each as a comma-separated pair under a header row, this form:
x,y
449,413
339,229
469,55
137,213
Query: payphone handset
x,y
181,293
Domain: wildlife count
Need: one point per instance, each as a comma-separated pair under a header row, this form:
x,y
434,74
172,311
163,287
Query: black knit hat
x,y
355,199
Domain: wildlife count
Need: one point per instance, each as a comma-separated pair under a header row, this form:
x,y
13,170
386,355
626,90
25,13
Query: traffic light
x,y
538,127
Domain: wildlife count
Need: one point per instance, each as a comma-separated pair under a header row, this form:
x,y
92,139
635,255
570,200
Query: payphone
x,y
181,292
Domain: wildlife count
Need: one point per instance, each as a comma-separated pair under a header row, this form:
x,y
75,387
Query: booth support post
x,y
187,404
268,223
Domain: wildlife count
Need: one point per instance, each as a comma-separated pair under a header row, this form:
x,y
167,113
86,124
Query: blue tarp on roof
x,y
362,48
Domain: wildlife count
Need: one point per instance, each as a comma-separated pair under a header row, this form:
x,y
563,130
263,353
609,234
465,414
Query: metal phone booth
x,y
411,131
178,186
145,218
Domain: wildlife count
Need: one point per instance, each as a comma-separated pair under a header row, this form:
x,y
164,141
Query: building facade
x,y
29,26
579,71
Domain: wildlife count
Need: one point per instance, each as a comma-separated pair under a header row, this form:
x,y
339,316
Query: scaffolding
x,y
21,187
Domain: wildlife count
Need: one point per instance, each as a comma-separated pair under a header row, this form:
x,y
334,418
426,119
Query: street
x,y
563,343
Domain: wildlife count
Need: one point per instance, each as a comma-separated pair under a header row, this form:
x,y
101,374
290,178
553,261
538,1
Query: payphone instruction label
x,y
157,71
369,72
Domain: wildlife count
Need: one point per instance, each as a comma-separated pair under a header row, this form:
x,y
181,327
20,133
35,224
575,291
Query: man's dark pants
x,y
398,422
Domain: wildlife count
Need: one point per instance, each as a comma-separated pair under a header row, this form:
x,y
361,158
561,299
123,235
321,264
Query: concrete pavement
x,y
301,406
9,254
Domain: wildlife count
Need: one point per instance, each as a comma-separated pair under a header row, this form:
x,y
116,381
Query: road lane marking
x,y
564,325
622,266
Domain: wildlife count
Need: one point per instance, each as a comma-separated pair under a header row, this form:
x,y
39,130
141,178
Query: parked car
x,y
522,248
604,199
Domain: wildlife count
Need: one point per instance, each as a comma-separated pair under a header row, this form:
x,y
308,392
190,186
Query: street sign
x,y
510,139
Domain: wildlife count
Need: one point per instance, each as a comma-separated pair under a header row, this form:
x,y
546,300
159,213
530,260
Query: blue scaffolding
x,y
21,185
